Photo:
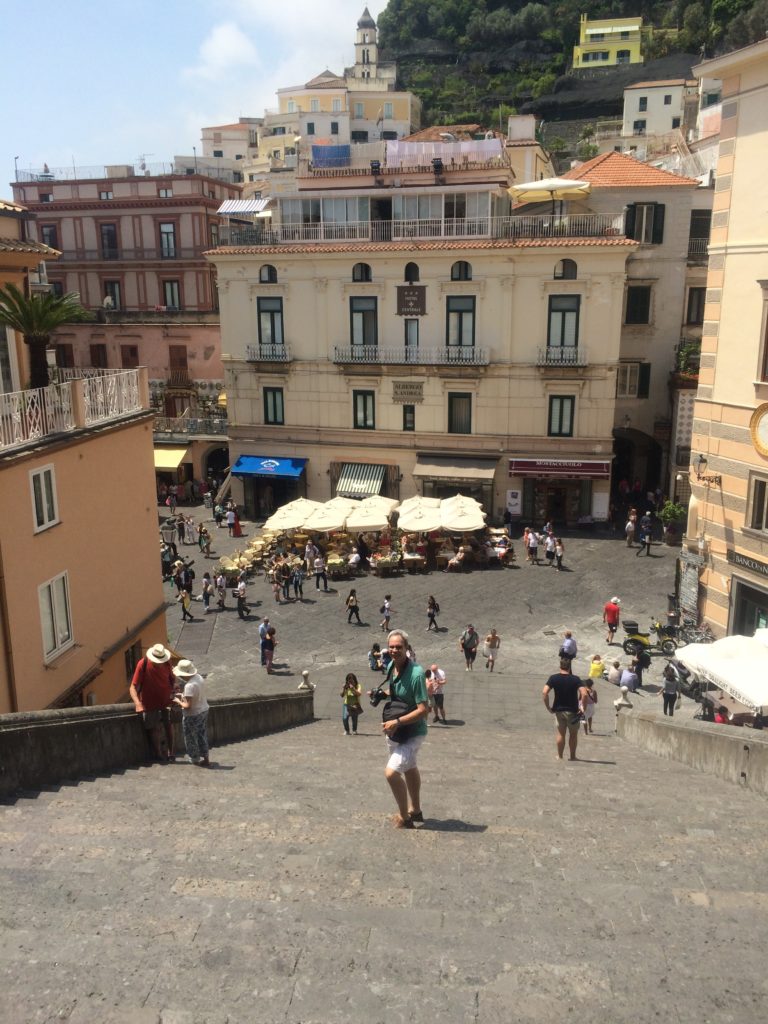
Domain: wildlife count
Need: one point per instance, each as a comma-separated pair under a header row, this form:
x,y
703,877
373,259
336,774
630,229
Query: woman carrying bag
x,y
351,708
353,607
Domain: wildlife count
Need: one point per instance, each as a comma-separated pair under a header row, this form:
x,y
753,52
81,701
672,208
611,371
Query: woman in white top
x,y
194,709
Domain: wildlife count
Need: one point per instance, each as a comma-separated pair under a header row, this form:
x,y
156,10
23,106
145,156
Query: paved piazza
x,y
621,889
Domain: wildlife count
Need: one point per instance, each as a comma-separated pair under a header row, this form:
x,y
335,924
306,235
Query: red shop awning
x,y
559,468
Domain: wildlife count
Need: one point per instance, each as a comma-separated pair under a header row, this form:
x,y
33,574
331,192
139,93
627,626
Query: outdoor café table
x,y
414,563
442,558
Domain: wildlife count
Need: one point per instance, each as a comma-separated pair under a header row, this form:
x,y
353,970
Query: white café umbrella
x,y
368,517
327,518
418,502
379,501
461,516
292,515
341,502
420,518
736,664
549,188
460,501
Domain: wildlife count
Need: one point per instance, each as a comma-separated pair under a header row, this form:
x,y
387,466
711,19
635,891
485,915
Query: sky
x,y
87,84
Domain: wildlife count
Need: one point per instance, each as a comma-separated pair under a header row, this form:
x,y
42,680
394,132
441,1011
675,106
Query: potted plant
x,y
672,516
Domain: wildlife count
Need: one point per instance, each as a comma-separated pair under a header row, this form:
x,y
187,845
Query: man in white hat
x,y
194,708
611,614
151,691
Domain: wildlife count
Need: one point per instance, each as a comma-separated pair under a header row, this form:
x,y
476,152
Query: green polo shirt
x,y
410,686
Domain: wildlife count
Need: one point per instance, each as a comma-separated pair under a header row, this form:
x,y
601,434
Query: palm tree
x,y
36,317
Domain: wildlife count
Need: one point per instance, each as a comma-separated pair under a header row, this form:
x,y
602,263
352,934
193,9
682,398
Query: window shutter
x,y
644,380
629,221
528,493
658,223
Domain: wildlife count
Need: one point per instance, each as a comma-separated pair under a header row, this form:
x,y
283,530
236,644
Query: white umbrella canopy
x,y
327,518
292,515
460,501
420,518
736,664
418,502
341,502
378,501
461,516
368,517
549,188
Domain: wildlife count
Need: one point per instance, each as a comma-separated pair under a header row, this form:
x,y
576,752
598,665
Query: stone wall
x,y
43,748
734,753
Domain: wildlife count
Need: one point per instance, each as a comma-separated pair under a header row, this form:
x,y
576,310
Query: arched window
x,y
565,270
411,275
461,271
362,272
268,274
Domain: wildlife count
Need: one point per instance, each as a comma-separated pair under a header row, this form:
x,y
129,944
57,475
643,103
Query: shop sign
x,y
559,467
407,392
515,503
745,562
411,300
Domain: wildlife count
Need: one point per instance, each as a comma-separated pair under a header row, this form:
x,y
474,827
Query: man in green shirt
x,y
406,682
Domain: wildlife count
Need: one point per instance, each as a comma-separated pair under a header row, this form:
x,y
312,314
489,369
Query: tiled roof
x,y
11,207
17,245
617,170
226,127
325,80
416,246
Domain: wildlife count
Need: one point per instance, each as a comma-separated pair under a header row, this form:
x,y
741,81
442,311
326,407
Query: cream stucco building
x,y
727,536
401,329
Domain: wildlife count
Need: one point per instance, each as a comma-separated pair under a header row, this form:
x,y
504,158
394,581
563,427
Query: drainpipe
x,y
7,639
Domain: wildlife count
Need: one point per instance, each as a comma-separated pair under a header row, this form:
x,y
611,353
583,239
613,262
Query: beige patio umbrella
x,y
341,502
549,188
291,516
460,501
418,502
461,516
378,501
368,517
420,518
327,518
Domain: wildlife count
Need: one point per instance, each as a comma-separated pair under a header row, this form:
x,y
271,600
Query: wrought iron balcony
x,y
190,424
698,250
179,378
268,354
561,355
451,355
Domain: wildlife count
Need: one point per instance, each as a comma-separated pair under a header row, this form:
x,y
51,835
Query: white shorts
x,y
402,756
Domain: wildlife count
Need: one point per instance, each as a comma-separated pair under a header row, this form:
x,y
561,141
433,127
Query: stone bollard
x,y
305,683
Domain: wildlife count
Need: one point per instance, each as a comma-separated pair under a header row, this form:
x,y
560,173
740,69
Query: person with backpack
x,y
433,610
468,642
641,661
353,609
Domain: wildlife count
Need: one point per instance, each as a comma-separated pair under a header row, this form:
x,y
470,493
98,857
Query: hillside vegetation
x,y
479,60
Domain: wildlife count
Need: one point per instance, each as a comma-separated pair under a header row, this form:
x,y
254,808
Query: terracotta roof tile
x,y
617,170
17,245
416,246
11,207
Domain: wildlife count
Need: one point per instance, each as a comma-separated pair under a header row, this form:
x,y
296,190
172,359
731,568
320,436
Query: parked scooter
x,y
638,640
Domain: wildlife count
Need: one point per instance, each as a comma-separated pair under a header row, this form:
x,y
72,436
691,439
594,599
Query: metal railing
x,y
191,424
569,225
130,255
179,378
60,374
110,395
698,249
561,355
267,354
451,355
34,414
28,416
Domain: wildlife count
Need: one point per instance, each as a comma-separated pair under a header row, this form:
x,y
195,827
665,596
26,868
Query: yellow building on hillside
x,y
608,42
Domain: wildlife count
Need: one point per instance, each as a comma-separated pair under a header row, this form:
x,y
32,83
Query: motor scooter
x,y
638,640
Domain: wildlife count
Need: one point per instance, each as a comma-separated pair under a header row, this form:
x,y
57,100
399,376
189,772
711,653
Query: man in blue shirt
x,y
405,682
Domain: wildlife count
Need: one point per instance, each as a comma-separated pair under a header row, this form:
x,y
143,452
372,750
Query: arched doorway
x,y
637,459
216,463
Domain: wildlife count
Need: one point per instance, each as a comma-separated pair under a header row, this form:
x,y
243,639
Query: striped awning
x,y
360,480
243,206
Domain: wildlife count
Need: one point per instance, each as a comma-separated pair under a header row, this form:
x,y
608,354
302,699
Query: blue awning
x,y
263,465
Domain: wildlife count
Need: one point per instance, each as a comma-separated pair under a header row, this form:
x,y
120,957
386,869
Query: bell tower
x,y
366,47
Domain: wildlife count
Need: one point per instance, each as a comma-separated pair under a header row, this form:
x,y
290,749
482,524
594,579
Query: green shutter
x,y
644,380
658,224
528,499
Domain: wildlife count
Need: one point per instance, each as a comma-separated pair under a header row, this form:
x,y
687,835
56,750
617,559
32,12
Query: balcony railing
x,y
564,355
179,378
202,425
570,225
130,255
60,374
32,415
268,354
451,355
698,249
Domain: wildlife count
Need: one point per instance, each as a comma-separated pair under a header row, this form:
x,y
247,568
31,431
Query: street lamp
x,y
700,464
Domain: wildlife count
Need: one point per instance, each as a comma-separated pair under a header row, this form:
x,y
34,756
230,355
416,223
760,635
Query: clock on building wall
x,y
758,426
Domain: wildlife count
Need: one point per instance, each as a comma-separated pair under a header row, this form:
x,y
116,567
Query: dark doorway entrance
x,y
381,220
750,609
